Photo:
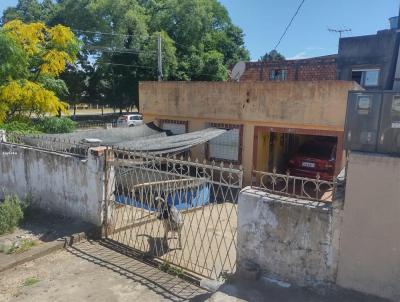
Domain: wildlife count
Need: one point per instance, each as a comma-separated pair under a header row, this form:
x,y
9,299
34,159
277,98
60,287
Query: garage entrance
x,y
302,152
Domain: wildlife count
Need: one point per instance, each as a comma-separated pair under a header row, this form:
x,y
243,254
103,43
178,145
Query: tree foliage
x,y
199,42
32,57
273,55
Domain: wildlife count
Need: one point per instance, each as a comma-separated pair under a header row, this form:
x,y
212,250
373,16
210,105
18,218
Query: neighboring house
x,y
268,120
312,69
369,60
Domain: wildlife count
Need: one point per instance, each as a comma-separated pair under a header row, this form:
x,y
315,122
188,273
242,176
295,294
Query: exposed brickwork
x,y
313,69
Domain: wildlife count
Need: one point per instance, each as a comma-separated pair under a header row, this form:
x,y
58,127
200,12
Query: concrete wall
x,y
295,241
370,242
367,52
63,184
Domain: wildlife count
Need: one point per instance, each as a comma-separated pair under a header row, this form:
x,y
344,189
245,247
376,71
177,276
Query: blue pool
x,y
181,199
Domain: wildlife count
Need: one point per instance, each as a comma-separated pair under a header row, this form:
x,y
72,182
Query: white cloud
x,y
314,48
300,55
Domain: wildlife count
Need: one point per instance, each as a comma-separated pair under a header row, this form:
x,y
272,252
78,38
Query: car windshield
x,y
315,149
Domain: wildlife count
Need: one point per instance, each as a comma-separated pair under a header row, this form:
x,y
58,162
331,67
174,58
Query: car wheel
x,y
132,125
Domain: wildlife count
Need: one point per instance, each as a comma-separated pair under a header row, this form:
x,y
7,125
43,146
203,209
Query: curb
x,y
42,250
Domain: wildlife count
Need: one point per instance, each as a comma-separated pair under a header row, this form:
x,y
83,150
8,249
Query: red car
x,y
313,157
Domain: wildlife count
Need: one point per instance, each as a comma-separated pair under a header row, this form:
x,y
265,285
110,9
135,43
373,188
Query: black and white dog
x,y
172,219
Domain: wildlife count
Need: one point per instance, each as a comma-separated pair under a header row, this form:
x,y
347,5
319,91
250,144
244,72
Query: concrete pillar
x,y
247,152
3,136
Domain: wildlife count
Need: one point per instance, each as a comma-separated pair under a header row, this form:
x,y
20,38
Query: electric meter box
x,y
389,127
362,120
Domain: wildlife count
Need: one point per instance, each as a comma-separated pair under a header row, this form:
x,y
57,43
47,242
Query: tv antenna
x,y
339,31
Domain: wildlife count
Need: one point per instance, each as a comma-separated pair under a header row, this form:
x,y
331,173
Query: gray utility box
x,y
362,120
389,126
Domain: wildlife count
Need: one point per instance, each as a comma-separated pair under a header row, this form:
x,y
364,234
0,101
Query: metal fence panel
x,y
295,186
180,212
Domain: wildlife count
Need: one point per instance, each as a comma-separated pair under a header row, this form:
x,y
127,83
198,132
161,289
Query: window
x,y
136,118
366,77
176,127
278,75
227,146
396,111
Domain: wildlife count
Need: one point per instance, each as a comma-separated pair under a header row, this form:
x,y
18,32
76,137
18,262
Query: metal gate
x,y
182,213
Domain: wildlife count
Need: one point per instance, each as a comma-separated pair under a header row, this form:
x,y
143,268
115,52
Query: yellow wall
x,y
319,105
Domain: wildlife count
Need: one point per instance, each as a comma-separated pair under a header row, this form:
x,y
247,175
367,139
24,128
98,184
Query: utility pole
x,y
159,55
339,31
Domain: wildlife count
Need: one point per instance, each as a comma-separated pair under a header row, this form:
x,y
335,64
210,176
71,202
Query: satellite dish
x,y
238,71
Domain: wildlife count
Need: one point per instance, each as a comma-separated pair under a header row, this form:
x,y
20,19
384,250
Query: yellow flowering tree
x,y
32,56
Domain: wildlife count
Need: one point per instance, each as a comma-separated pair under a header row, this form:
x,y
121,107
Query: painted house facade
x,y
268,120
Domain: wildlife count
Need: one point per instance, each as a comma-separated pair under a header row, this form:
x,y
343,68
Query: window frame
x,y
363,75
161,122
281,77
240,147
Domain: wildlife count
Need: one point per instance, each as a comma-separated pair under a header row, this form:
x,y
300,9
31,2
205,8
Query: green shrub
x,y
55,125
30,281
24,245
11,213
20,127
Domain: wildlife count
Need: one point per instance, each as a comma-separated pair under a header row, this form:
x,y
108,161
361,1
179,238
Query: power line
x,y
289,24
127,65
107,49
101,33
122,35
117,50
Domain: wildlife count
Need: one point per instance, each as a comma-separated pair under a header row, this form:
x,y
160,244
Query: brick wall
x,y
313,69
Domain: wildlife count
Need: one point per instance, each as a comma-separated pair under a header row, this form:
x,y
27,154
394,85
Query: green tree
x,y
199,40
273,55
30,11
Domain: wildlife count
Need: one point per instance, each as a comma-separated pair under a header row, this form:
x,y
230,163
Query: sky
x,y
263,22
